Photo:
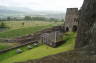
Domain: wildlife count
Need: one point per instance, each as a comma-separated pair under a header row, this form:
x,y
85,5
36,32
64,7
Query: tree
x,y
39,18
3,25
28,18
8,18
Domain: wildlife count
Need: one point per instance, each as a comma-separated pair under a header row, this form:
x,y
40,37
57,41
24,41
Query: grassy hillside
x,y
21,32
40,51
16,28
18,24
4,45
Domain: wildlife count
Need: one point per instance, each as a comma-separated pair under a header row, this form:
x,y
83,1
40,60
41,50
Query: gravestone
x,y
19,51
29,47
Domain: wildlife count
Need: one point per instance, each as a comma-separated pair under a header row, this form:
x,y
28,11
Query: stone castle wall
x,y
71,19
86,36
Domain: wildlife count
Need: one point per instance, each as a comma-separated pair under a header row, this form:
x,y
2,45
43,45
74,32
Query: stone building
x,y
71,19
53,39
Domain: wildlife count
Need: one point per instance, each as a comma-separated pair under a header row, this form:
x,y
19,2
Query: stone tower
x,y
71,19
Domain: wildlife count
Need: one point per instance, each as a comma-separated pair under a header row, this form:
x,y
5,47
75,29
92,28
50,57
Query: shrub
x,y
3,25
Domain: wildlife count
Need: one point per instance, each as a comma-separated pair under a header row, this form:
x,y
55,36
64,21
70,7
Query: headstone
x,y
19,51
29,47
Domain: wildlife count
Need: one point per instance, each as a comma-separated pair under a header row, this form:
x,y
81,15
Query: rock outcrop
x,y
86,36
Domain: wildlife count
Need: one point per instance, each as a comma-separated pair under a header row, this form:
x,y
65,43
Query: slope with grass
x,y
18,24
42,51
16,29
21,32
11,53
3,46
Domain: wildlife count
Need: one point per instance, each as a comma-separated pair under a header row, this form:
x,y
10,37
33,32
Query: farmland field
x,y
40,51
16,28
18,24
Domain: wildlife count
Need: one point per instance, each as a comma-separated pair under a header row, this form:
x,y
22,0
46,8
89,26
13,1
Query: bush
x,y
3,25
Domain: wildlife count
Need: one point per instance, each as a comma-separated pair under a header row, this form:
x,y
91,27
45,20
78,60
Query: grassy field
x,y
16,28
40,51
18,24
4,45
7,45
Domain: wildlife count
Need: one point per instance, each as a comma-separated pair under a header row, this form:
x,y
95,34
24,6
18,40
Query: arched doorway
x,y
67,29
74,29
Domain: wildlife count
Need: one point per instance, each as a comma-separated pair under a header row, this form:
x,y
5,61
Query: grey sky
x,y
52,5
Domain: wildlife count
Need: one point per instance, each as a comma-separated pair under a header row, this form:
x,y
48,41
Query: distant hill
x,y
17,11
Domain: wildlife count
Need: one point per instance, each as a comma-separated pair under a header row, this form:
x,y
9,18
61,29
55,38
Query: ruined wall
x,y
71,19
87,26
53,39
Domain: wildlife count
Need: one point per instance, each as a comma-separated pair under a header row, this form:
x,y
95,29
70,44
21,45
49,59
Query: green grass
x,y
18,24
13,52
23,31
42,51
16,29
3,46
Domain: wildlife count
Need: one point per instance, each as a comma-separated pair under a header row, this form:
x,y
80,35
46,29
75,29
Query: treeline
x,y
30,18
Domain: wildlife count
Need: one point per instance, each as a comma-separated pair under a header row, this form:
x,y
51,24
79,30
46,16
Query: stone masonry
x,y
71,19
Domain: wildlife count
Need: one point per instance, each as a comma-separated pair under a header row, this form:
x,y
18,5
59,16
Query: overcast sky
x,y
51,5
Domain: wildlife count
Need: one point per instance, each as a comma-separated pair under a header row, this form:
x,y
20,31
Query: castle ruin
x,y
71,20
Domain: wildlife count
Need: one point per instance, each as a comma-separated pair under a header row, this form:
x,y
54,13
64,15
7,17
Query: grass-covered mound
x,y
40,51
